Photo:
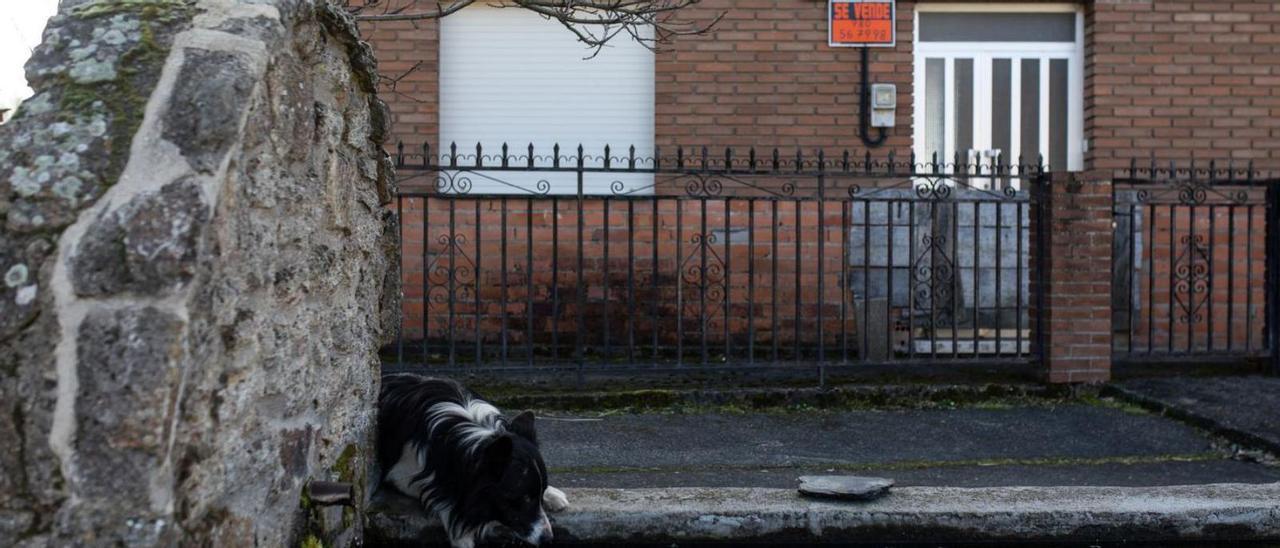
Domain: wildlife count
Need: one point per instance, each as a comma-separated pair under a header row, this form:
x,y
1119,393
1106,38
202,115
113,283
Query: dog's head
x,y
517,478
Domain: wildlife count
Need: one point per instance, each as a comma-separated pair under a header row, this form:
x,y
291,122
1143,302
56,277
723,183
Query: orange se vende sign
x,y
861,23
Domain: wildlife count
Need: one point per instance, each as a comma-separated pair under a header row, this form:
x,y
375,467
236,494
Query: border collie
x,y
465,462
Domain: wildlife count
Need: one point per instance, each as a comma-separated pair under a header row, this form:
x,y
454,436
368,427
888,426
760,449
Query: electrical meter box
x,y
884,104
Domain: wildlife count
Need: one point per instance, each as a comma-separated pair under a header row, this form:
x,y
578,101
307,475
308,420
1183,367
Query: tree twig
x,y
592,22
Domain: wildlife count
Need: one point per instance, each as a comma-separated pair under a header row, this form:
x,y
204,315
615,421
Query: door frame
x,y
1016,51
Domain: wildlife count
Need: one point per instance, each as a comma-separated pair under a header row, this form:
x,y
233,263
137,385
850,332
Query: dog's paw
x,y
553,500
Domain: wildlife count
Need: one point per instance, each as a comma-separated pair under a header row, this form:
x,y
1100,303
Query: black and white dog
x,y
479,471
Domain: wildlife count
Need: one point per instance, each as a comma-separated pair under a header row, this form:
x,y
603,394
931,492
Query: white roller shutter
x,y
509,75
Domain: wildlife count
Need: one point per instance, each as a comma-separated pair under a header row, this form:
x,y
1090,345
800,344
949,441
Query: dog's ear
x,y
522,426
497,454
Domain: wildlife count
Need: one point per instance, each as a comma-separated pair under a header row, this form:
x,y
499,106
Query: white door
x,y
510,76
1000,83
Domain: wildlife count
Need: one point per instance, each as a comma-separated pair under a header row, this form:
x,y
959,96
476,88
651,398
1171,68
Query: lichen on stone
x,y
16,275
150,9
148,245
25,295
93,76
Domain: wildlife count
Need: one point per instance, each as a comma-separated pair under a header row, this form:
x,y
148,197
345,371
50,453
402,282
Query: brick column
x,y
1074,288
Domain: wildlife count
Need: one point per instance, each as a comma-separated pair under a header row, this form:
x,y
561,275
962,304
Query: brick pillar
x,y
1074,288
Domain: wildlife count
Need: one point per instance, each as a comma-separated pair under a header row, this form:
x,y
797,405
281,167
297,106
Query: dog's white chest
x,y
402,475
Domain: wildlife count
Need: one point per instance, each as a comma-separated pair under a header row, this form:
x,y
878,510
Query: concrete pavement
x,y
1243,409
1020,469
1071,444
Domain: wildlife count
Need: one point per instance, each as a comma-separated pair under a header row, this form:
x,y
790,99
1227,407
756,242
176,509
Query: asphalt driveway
x,y
1058,445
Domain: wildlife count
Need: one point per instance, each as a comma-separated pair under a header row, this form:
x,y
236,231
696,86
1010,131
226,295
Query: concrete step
x,y
1225,513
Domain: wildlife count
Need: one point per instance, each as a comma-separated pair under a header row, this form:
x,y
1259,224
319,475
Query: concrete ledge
x,y
1218,512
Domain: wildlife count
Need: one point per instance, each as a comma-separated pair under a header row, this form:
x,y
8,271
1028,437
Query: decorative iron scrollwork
x,y
706,277
451,276
700,185
933,189
1191,279
932,275
453,182
1191,193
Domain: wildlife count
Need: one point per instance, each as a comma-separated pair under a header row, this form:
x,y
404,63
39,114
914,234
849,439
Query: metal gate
x,y
696,261
1193,276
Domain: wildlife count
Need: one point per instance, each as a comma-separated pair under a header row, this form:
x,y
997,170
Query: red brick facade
x,y
620,273
1182,78
1173,79
1076,295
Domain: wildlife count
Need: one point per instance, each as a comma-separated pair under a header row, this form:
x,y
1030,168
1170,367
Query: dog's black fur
x,y
463,460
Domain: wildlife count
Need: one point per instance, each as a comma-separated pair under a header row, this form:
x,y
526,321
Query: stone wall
x,y
195,256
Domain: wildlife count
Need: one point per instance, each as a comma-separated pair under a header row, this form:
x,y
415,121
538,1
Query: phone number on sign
x,y
862,33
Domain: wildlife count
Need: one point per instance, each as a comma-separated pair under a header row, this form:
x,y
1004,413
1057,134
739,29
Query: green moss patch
x,y
151,10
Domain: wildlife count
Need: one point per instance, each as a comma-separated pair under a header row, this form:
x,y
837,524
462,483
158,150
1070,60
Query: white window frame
x,y
982,53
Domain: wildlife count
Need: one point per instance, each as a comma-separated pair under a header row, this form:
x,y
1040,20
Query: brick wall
x,y
1177,78
664,284
1075,287
1169,77
765,77
1166,78
409,62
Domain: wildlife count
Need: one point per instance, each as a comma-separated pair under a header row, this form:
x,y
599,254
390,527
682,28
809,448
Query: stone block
x,y
205,110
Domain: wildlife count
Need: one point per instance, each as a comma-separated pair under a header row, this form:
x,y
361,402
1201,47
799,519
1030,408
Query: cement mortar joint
x,y
151,165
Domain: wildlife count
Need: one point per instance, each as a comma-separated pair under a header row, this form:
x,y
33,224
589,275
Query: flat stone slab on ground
x,y
845,487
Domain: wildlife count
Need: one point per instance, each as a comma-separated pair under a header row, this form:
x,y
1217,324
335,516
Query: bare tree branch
x,y
592,22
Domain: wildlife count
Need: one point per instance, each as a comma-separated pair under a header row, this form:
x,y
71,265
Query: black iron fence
x,y
700,260
1193,273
